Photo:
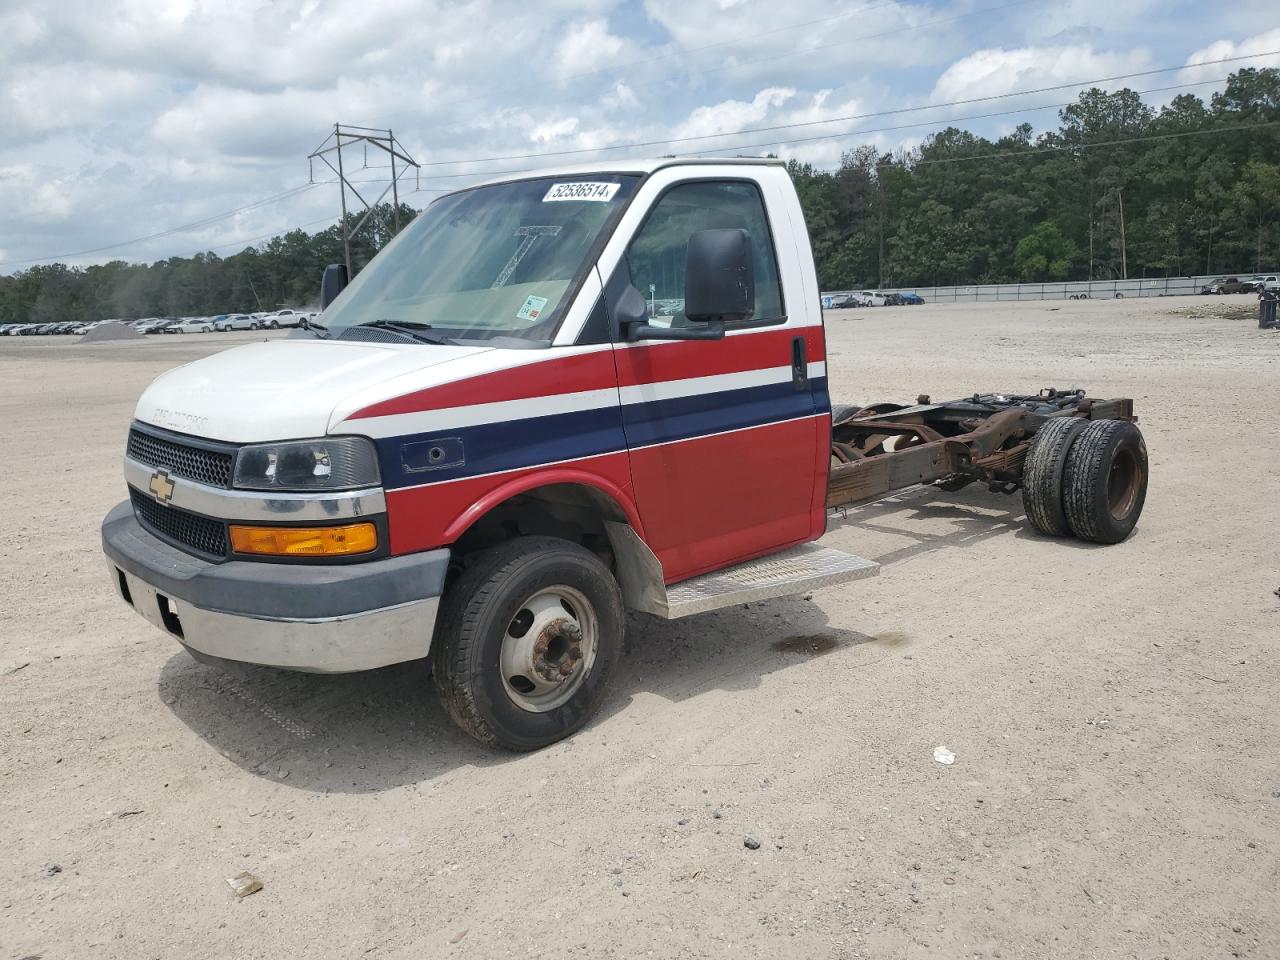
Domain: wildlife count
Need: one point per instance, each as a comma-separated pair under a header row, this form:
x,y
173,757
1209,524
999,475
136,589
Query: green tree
x,y
1257,195
1044,254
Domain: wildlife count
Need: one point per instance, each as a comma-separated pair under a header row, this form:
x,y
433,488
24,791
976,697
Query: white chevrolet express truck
x,y
547,400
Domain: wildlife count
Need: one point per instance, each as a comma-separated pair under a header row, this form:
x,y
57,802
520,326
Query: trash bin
x,y
1267,301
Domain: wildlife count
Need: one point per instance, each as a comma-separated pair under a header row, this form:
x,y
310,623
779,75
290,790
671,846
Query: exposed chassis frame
x,y
984,437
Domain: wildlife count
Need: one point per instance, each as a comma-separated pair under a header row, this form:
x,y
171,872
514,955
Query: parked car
x,y
1265,281
192,325
911,299
237,321
285,318
869,298
843,301
1227,285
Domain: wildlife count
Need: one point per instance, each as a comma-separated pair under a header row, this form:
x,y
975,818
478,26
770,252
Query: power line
x,y
194,225
296,191
214,218
844,119
929,123
1101,143
747,63
267,236
648,61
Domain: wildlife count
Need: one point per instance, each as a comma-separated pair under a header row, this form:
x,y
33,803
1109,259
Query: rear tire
x,y
1105,481
1042,484
842,411
548,613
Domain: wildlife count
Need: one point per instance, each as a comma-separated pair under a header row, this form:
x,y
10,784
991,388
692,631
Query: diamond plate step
x,y
792,571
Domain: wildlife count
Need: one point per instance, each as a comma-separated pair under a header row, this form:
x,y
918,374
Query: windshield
x,y
494,262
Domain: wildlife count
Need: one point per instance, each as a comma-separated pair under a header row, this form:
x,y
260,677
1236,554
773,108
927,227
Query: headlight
x,y
330,463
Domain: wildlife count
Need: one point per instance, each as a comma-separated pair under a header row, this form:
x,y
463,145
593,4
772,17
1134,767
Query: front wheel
x,y
527,641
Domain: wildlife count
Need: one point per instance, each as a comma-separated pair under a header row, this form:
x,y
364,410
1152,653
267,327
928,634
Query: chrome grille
x,y
212,467
179,527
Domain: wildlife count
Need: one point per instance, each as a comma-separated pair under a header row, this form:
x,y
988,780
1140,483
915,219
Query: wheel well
x,y
570,511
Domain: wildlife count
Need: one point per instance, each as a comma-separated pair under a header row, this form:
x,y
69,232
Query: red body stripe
x,y
584,371
676,360
681,360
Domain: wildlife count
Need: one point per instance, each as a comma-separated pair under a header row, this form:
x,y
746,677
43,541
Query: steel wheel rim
x,y
1123,480
548,648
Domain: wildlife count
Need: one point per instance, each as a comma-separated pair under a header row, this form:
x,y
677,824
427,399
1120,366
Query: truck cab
x,y
548,399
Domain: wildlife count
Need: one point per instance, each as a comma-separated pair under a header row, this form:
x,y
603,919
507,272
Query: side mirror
x,y
632,314
719,277
332,283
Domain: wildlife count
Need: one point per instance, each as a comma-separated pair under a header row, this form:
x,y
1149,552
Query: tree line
x,y
1120,189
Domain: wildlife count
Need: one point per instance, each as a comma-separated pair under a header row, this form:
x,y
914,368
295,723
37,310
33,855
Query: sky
x,y
192,119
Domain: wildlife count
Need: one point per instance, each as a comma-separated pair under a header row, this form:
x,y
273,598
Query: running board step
x,y
782,574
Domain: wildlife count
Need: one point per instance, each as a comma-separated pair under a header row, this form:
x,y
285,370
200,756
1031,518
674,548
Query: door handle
x,y
799,364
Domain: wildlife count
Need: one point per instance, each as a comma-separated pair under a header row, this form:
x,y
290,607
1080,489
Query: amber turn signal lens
x,y
305,541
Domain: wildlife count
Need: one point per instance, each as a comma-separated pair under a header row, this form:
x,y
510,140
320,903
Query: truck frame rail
x,y
887,446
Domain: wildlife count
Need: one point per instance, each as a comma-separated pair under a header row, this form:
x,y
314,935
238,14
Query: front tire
x,y
527,642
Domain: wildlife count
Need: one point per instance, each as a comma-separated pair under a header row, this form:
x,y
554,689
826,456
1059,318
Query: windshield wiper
x,y
321,330
410,328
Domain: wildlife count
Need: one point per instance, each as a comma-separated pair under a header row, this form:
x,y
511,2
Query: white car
x,y
869,298
1265,281
193,325
283,318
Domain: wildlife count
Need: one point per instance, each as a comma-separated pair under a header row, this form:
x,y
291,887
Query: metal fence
x,y
1090,289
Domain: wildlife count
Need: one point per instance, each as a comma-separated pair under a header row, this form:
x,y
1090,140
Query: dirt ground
x,y
1112,710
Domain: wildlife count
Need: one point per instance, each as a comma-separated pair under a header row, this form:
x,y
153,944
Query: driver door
x,y
722,435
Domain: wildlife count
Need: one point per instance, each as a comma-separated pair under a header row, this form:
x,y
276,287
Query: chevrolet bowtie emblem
x,y
161,486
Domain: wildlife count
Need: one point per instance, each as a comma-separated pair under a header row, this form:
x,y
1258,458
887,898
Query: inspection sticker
x,y
601,192
532,308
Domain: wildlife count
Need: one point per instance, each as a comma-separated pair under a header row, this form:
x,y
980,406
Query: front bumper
x,y
318,618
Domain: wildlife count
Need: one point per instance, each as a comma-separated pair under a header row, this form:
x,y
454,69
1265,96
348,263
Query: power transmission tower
x,y
345,136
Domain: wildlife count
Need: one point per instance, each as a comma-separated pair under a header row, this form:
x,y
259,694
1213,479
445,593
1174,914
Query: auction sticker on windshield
x,y
602,192
532,309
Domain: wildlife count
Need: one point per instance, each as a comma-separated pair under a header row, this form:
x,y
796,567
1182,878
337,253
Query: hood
x,y
279,389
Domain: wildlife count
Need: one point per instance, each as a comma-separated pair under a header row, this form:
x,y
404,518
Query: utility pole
x,y
345,135
1124,259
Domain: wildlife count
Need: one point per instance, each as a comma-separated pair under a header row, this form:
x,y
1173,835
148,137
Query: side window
x,y
656,257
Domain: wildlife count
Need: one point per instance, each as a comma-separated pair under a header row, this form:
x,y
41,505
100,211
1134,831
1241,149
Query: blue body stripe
x,y
495,447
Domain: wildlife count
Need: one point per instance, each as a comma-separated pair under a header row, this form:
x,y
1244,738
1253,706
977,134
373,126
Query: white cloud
x,y
1259,43
729,116
128,117
547,132
587,46
994,72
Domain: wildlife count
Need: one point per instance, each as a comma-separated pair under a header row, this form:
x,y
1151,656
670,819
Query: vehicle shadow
x,y
972,514
373,731
380,729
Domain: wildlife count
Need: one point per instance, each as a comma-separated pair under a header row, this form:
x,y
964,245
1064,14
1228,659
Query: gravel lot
x,y
1112,710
